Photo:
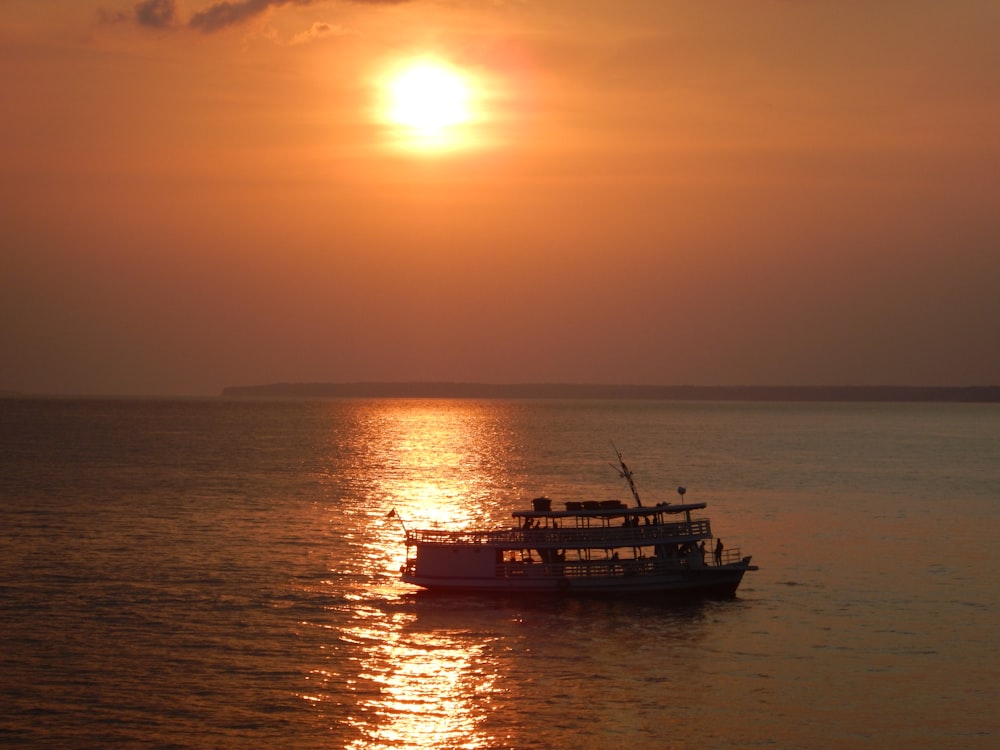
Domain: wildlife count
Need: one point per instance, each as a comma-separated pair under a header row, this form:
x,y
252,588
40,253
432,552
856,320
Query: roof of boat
x,y
611,512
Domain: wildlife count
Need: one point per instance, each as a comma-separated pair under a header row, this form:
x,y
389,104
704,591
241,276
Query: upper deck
x,y
599,536
604,509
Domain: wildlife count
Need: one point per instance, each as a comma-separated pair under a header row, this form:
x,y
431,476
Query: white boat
x,y
589,547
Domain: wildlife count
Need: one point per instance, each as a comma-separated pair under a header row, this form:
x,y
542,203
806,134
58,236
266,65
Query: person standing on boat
x,y
718,552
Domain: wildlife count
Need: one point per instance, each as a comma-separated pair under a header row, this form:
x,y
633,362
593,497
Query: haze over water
x,y
191,573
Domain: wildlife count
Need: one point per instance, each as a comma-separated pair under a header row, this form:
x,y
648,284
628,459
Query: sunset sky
x,y
197,194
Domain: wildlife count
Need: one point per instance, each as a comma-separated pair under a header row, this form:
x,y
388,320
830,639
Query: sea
x,y
216,573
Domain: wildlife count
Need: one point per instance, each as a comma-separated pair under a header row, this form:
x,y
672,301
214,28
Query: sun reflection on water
x,y
437,462
417,688
388,680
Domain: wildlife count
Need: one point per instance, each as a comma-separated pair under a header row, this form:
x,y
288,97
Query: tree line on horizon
x,y
965,394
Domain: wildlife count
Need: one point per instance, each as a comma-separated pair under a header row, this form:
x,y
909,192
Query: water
x,y
210,573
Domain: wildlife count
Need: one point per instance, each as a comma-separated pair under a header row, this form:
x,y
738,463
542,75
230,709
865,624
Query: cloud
x,y
156,14
153,14
163,14
226,13
113,16
231,12
321,29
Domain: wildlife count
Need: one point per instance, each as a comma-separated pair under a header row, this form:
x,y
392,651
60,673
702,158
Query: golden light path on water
x,y
437,464
425,689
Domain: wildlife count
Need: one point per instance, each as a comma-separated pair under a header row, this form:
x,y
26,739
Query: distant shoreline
x,y
967,394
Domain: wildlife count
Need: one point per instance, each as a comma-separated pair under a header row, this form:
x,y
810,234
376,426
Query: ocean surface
x,y
224,573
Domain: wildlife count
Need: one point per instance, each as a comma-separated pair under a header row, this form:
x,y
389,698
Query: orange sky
x,y
197,194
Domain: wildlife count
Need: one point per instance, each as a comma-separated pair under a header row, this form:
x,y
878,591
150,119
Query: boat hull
x,y
716,582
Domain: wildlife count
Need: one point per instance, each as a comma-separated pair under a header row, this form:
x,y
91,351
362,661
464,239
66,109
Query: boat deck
x,y
605,568
568,538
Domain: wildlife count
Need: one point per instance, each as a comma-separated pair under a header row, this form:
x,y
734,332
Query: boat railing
x,y
609,568
599,536
729,556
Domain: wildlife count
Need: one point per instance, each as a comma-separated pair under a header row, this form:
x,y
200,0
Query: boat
x,y
588,547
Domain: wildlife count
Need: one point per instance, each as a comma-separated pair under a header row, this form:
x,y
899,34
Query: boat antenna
x,y
393,514
625,473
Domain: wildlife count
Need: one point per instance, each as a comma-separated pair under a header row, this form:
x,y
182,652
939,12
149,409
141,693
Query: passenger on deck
x,y
718,552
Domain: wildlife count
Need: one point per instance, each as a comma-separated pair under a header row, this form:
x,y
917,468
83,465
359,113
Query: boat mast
x,y
625,473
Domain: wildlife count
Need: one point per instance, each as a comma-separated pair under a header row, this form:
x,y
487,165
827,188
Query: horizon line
x,y
624,391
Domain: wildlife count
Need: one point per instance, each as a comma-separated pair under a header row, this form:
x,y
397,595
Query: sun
x,y
428,102
428,98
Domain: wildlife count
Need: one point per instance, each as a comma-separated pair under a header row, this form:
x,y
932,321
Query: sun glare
x,y
428,102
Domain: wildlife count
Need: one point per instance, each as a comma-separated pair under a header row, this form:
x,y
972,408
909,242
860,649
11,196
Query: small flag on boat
x,y
392,513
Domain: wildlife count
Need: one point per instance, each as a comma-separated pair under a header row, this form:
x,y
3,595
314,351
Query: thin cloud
x,y
164,14
156,14
231,12
221,15
321,29
153,14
